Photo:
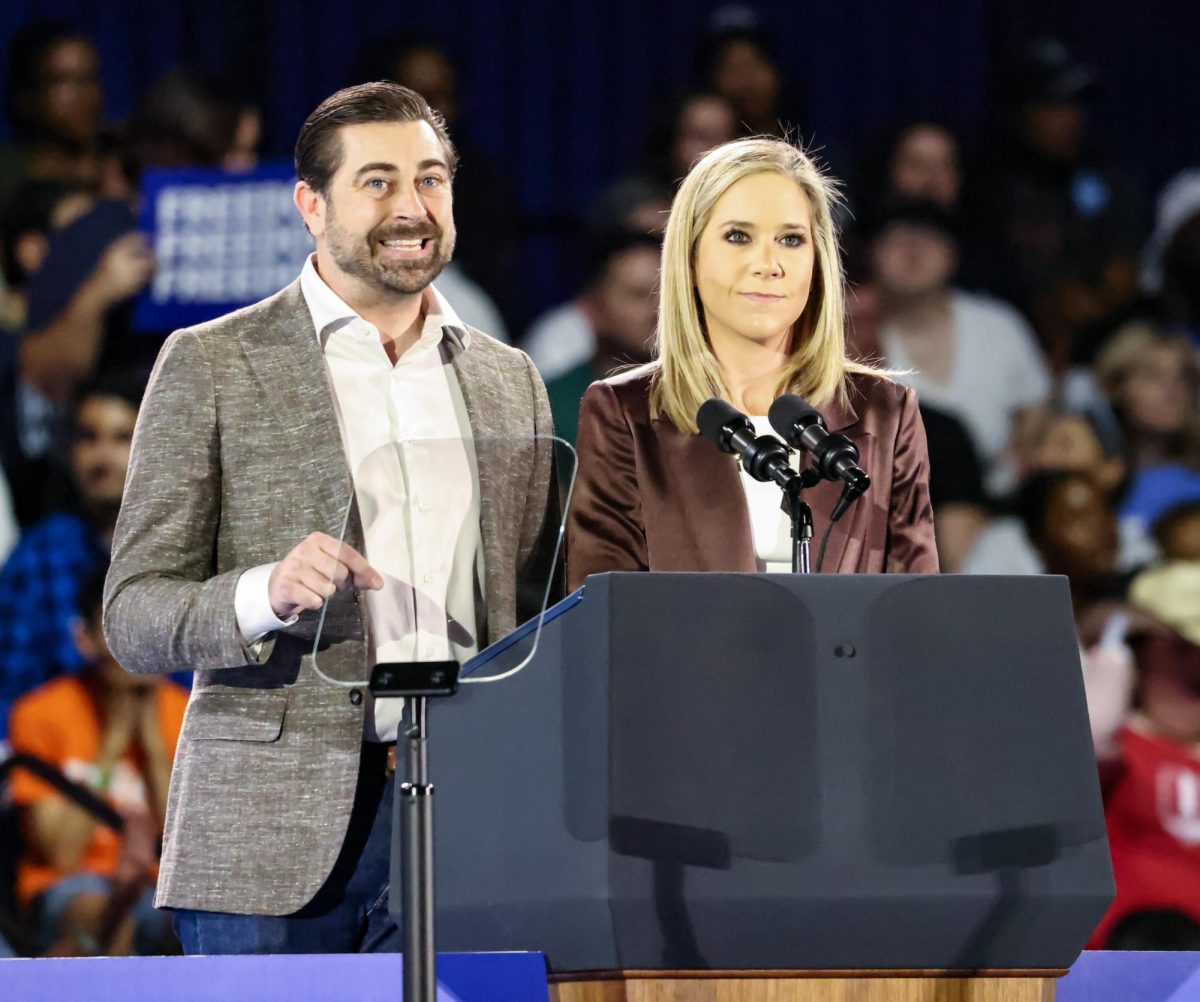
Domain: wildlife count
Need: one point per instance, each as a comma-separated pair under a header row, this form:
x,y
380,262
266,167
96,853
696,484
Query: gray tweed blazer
x,y
236,458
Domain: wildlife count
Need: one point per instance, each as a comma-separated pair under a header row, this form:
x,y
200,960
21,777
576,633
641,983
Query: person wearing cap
x,y
1064,229
1150,752
970,355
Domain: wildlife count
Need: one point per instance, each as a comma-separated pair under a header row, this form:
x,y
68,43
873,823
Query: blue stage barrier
x,y
462,977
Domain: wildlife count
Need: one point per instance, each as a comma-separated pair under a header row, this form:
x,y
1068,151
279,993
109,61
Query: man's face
x,y
387,221
626,300
100,453
71,96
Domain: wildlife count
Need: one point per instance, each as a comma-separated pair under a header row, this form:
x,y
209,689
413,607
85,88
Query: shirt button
x,y
422,506
429,652
355,696
429,579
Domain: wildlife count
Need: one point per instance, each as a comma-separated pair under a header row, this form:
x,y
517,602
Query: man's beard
x,y
356,256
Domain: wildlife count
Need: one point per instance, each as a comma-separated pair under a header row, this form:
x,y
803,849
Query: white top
x,y
998,370
560,340
769,524
408,447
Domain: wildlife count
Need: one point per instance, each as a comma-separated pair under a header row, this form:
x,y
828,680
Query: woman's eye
x,y
793,240
737,237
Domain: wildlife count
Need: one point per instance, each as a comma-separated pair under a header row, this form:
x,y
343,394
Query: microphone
x,y
835,457
764,457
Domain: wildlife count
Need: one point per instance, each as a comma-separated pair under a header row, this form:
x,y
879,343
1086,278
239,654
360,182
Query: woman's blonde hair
x,y
686,373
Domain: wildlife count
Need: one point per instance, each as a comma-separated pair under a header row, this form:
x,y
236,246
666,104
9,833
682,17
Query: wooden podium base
x,y
804,986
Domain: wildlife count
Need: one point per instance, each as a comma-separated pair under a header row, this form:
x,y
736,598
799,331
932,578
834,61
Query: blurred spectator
x,y
1054,439
1150,772
736,58
624,306
189,119
1064,230
970,356
955,487
79,304
565,340
1154,929
486,210
681,134
54,102
1073,527
39,583
920,161
1152,379
1177,532
1171,261
89,889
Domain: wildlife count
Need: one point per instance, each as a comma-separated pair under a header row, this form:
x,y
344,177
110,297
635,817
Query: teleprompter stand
x,y
411,894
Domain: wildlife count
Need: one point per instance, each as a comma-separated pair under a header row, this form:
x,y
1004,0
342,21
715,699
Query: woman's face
x,y
1080,530
1159,394
754,261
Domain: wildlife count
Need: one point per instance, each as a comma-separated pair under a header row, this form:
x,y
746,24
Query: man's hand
x,y
313,571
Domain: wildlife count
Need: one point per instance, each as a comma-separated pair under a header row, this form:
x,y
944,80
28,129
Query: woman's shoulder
x,y
871,389
629,390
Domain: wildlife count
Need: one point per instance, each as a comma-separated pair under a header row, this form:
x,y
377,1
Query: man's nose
x,y
408,204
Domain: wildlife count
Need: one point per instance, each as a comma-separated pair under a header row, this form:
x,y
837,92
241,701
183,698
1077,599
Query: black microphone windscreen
x,y
714,416
789,411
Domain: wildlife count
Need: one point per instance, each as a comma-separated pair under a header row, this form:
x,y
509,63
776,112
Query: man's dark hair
x,y
606,245
124,384
319,148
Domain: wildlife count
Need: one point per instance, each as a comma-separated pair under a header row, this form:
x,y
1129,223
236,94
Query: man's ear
x,y
311,205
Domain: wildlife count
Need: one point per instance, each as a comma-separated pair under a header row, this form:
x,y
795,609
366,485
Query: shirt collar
x,y
329,312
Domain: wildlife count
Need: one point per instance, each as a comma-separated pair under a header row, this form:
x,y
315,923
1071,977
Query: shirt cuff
x,y
252,605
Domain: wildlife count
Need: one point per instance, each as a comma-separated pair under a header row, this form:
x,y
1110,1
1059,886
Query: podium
x,y
727,787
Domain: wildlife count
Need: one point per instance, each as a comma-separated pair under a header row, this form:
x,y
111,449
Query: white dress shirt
x,y
407,440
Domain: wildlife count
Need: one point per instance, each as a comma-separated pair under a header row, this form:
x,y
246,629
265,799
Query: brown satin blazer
x,y
651,497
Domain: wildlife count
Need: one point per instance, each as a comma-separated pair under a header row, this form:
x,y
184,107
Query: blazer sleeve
x,y
605,531
911,548
165,607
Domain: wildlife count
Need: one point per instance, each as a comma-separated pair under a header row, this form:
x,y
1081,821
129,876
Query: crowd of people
x,y
1046,312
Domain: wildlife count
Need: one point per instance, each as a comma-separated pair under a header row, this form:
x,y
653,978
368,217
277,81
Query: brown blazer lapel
x,y
712,521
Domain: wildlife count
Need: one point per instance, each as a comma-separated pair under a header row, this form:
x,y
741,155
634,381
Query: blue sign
x,y
221,241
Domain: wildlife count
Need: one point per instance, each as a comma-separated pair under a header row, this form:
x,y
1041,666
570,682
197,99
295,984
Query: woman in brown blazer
x,y
751,308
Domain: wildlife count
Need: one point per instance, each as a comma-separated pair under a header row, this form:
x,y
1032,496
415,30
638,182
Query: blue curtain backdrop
x,y
559,90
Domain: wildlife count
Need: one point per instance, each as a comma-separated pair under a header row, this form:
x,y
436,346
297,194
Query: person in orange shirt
x,y
87,888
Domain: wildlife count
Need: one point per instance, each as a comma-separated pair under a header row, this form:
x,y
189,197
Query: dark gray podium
x,y
721,771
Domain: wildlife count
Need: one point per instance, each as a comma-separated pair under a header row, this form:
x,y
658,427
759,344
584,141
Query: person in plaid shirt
x,y
39,583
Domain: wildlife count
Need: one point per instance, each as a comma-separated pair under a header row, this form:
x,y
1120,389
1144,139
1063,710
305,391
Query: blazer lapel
x,y
705,485
286,359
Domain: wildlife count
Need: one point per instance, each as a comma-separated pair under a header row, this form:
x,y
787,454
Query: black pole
x,y
800,513
414,804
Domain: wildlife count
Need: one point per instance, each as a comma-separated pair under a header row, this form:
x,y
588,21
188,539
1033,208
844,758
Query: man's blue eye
x,y
377,183
431,181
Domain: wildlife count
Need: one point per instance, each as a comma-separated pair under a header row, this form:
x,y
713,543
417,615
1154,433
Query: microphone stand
x,y
799,511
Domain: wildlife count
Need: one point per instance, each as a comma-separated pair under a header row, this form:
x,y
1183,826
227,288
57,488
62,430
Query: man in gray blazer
x,y
253,429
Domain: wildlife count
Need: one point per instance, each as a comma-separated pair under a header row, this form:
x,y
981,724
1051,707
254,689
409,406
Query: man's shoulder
x,y
286,305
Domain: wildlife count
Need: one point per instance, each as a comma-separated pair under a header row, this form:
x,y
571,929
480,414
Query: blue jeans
x,y
350,912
